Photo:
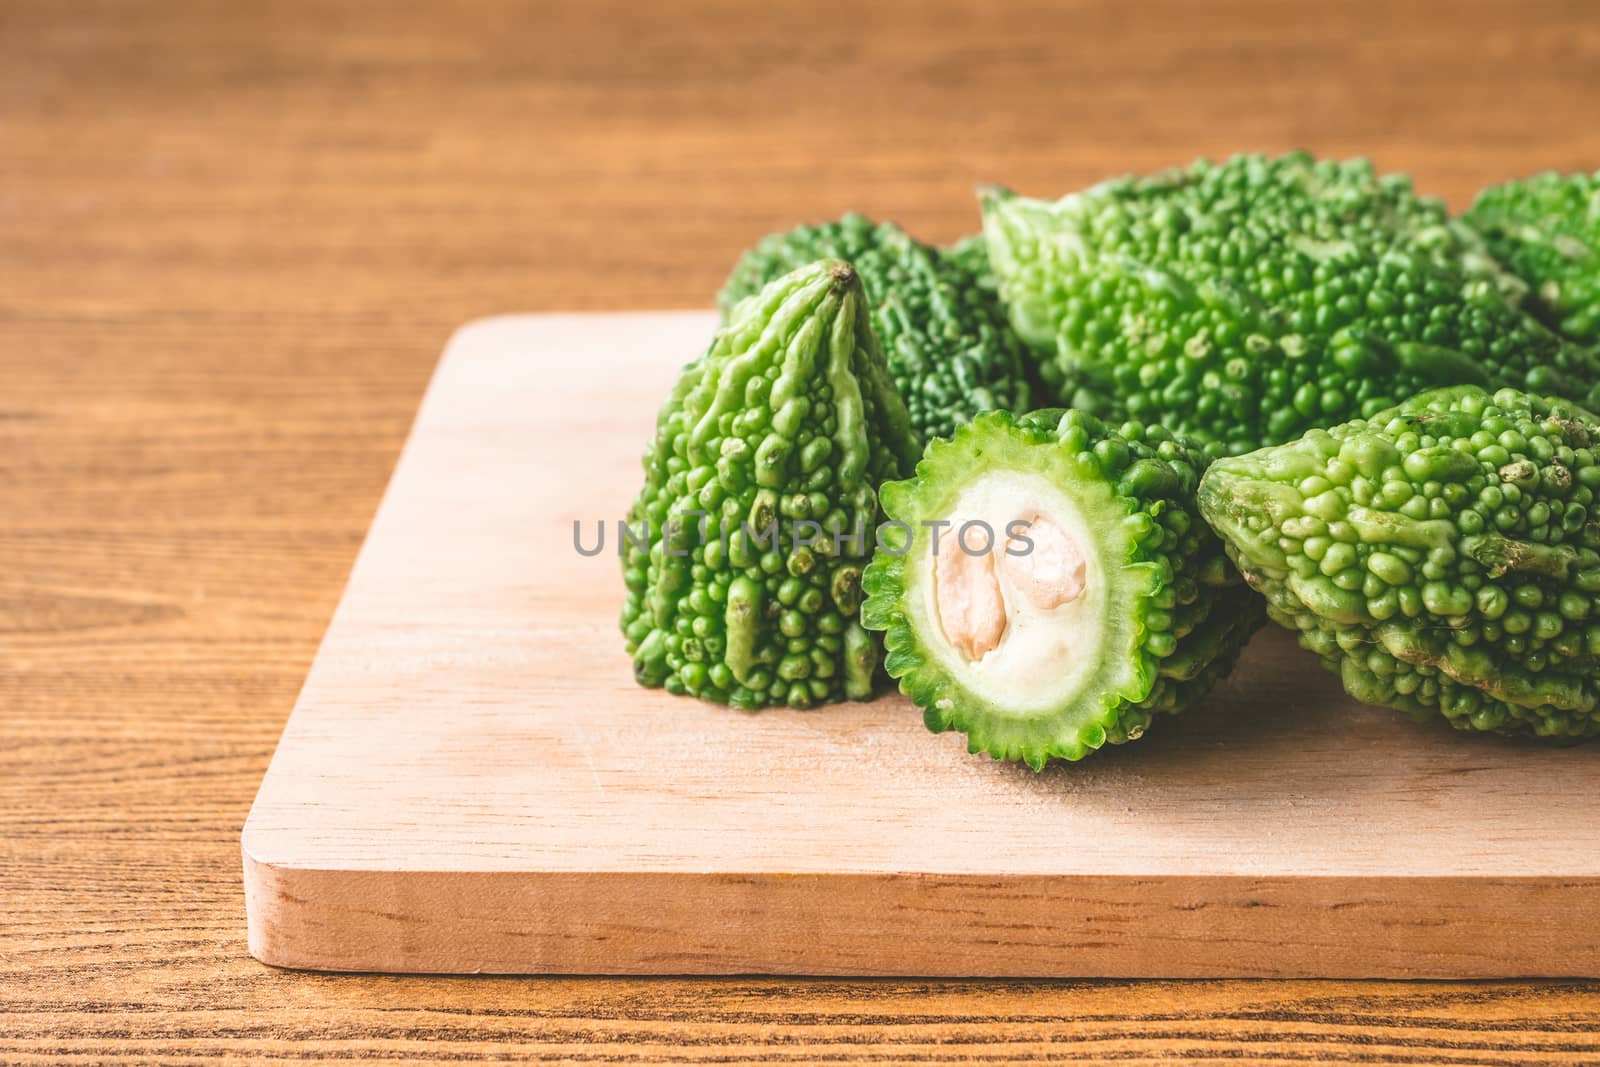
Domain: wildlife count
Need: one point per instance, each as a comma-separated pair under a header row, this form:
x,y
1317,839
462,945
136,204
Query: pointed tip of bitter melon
x,y
745,547
1051,586
843,275
935,313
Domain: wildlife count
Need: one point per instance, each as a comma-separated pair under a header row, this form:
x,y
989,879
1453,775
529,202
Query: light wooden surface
x,y
472,782
232,241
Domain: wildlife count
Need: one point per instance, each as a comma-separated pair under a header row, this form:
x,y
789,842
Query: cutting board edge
x,y
922,924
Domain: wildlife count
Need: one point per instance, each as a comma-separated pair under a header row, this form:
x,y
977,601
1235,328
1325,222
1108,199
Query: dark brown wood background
x,y
233,238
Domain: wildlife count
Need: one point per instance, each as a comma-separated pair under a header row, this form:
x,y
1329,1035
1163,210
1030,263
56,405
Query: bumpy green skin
x,y
949,348
1441,557
790,417
1243,303
1547,229
1176,615
971,254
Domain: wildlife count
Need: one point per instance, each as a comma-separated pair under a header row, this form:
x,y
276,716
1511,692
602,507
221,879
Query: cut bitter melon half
x,y
1046,586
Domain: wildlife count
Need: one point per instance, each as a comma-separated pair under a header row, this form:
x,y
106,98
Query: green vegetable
x,y
758,506
1440,557
950,352
971,254
1242,303
1070,593
1547,229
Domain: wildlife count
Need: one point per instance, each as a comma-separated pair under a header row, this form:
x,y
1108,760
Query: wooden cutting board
x,y
471,781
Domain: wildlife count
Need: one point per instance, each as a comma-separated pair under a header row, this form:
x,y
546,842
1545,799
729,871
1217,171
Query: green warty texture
x,y
1547,229
971,255
949,348
1440,557
1245,302
790,418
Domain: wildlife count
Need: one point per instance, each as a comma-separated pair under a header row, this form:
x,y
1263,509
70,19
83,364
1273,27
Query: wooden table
x,y
232,241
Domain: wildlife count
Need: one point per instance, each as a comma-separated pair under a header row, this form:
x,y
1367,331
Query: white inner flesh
x,y
1042,653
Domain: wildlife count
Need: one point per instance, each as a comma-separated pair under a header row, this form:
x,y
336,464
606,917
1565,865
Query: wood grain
x,y
232,241
471,782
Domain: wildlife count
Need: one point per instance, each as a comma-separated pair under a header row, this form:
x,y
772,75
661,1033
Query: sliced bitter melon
x,y
1096,599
